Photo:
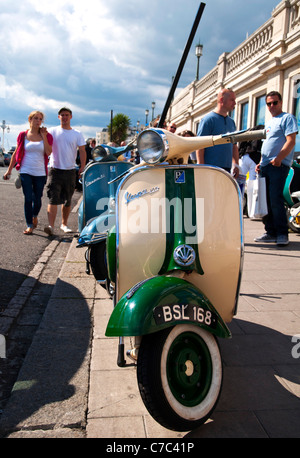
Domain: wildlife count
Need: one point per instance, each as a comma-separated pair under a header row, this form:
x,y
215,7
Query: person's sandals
x,y
28,231
49,230
65,228
34,222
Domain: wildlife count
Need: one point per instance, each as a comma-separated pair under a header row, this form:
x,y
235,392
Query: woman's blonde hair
x,y
35,112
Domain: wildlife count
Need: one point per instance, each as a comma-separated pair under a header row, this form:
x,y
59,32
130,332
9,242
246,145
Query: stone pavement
x,y
70,384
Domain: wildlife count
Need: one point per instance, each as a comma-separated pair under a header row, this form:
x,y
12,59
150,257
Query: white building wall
x,y
267,60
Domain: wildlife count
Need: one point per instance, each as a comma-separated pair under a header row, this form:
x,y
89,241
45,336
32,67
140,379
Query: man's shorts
x,y
61,186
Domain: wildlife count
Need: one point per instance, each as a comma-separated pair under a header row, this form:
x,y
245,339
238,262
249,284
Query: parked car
x,y
7,158
2,162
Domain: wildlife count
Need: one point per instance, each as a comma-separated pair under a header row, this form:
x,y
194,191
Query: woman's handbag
x,y
18,183
257,198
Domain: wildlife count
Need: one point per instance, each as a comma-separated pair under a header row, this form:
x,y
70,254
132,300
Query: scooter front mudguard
x,y
161,302
96,230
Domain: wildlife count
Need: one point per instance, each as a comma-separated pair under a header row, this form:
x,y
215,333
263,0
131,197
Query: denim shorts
x,y
61,186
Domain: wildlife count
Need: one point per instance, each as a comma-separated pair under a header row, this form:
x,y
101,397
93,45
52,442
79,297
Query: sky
x,y
95,56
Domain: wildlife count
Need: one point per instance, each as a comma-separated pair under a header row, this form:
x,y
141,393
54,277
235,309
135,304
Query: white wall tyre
x,y
180,375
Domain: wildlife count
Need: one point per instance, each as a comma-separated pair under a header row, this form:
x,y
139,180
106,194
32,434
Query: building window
x,y
297,114
232,114
260,110
244,115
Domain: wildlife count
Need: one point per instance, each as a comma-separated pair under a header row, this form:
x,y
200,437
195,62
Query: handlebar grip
x,y
249,136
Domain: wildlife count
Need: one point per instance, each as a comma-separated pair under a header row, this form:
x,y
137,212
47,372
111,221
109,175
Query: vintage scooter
x,y
96,214
176,273
291,194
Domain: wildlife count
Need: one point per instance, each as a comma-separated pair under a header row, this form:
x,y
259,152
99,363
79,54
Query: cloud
x,y
98,56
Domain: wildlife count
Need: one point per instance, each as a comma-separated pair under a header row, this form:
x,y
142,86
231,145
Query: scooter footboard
x,y
161,302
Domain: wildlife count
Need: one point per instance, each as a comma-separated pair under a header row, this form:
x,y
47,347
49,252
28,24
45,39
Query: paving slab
x,y
71,386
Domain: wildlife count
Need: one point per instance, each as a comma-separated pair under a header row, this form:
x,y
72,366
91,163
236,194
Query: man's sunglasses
x,y
272,103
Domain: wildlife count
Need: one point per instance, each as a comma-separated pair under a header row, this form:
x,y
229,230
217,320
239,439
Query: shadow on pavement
x,y
261,385
51,390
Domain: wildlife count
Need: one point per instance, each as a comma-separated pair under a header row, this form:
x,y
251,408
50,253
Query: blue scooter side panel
x,y
96,188
161,302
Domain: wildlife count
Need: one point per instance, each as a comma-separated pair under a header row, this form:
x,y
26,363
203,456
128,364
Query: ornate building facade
x,y
267,60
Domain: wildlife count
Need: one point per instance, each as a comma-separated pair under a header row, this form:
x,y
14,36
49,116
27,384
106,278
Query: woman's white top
x,y
33,161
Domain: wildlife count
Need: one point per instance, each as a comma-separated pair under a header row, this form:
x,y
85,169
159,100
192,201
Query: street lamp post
x,y
3,127
198,52
153,106
146,114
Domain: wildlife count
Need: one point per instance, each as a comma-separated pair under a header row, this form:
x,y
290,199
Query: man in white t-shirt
x,y
62,173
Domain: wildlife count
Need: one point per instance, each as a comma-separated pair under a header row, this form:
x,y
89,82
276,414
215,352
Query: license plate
x,y
185,312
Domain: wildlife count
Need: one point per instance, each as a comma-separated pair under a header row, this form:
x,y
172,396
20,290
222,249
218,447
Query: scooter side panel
x,y
141,238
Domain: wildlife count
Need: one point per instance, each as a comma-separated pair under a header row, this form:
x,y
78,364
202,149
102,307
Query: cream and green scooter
x,y
175,262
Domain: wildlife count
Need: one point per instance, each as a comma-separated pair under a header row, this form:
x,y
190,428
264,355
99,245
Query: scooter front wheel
x,y
180,375
97,259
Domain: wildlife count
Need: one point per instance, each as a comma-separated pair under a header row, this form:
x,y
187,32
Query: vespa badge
x,y
184,255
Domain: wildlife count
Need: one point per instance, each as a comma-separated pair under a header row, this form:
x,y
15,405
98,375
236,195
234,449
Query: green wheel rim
x,y
189,369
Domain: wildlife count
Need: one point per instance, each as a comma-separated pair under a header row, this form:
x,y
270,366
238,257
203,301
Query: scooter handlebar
x,y
240,136
172,148
183,146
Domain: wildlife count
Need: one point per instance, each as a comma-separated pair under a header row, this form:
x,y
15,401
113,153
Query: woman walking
x,y
31,159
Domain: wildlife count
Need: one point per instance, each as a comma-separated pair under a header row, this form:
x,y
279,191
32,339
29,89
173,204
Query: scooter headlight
x,y
99,151
102,154
152,146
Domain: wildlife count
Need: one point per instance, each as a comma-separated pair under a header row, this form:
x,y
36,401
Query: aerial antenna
x,y
181,65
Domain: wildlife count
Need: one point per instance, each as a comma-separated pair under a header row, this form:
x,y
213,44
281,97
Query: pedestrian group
x,y
273,163
38,150
57,148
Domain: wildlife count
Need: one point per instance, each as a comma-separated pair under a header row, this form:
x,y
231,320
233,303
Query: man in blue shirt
x,y
216,123
276,159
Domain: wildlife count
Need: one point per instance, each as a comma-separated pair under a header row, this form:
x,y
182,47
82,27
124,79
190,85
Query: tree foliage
x,y
120,126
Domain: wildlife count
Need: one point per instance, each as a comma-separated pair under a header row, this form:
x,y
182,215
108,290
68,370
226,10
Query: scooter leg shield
x,y
161,302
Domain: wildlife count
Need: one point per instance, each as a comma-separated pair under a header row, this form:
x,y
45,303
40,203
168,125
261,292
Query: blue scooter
x,y
96,213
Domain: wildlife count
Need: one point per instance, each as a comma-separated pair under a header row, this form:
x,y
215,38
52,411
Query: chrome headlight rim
x,y
160,149
99,151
